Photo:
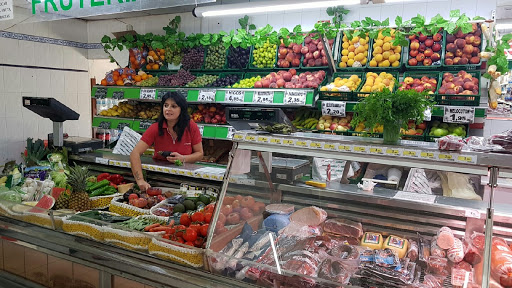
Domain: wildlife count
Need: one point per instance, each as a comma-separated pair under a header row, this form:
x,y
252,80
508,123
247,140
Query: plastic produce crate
x,y
458,100
291,67
466,66
362,68
226,66
429,138
419,74
340,95
390,68
421,67
358,95
253,67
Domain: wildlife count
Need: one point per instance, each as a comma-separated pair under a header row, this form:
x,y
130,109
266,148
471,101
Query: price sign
x,y
148,94
328,146
377,150
427,115
427,155
345,148
206,95
238,136
181,172
466,159
262,139
250,138
100,93
100,160
121,126
410,153
288,142
276,141
360,149
446,157
104,125
315,145
201,129
263,97
144,124
293,97
455,114
301,143
234,96
118,95
393,151
231,132
333,108
426,198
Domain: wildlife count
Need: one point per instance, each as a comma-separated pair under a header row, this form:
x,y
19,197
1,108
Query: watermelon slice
x,y
44,204
56,191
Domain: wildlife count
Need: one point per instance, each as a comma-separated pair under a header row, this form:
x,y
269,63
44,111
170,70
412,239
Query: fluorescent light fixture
x,y
263,7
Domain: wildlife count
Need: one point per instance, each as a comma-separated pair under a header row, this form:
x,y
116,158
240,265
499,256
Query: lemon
x,y
377,50
363,62
397,49
344,52
362,42
342,65
351,48
355,39
386,46
386,55
385,63
344,59
378,43
373,63
392,58
388,39
351,55
395,64
350,62
378,58
345,45
359,57
324,88
380,37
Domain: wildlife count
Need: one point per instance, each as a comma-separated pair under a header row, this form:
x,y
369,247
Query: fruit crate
x,y
202,66
406,51
213,70
432,138
197,74
431,74
465,66
414,137
315,67
226,66
340,95
362,68
232,72
358,95
176,252
253,67
162,69
291,67
458,99
385,69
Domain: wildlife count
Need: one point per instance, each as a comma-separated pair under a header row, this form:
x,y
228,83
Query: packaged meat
x,y
445,238
437,266
433,281
435,250
344,239
501,266
472,256
413,251
276,222
300,230
397,244
366,256
311,216
464,266
386,258
477,240
456,253
285,209
424,250
372,240
378,276
499,244
343,227
334,270
344,252
461,276
478,273
450,143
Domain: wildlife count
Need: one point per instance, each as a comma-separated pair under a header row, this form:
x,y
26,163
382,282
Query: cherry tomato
x,y
166,236
179,230
199,242
185,219
204,230
180,240
189,243
198,217
196,227
209,208
208,217
190,235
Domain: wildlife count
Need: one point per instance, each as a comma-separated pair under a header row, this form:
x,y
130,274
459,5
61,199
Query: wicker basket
x,y
83,229
189,256
126,209
102,202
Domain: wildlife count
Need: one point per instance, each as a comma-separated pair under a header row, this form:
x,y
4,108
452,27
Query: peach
x,y
451,47
469,39
422,37
469,86
460,34
429,42
477,41
442,90
450,38
456,60
474,60
413,53
468,49
415,46
437,37
448,61
429,52
476,51
449,55
450,92
435,57
422,48
463,61
458,53
436,47
460,43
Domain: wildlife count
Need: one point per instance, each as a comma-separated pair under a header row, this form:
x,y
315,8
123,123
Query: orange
x,y
152,53
116,77
104,82
115,73
150,76
119,83
124,76
144,76
155,66
137,78
162,57
132,59
161,51
149,67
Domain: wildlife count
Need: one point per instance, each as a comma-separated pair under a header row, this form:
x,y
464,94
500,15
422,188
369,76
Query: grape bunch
x,y
179,79
247,83
215,57
264,56
202,81
238,57
193,58
225,81
149,82
173,56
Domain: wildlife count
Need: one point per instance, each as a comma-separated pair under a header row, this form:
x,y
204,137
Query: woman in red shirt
x,y
174,132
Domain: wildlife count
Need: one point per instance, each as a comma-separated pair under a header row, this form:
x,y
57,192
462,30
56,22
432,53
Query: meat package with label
x,y
344,227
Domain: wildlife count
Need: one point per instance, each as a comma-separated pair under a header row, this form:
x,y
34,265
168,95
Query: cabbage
x,y
11,196
59,178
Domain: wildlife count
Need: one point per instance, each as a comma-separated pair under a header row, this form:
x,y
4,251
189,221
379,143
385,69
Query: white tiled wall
x,y
71,88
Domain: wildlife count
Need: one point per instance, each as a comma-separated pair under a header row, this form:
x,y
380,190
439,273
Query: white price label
x,y
263,97
201,129
100,160
249,182
231,132
427,115
333,108
206,95
455,114
425,198
6,10
234,96
293,97
472,213
147,94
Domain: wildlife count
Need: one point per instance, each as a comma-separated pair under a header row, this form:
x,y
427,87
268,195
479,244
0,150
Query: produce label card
x,y
455,114
147,94
333,108
234,96
293,97
206,95
263,97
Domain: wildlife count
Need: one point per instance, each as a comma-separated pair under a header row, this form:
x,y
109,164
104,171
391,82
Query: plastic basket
x,y
459,99
253,67
358,95
126,209
390,68
340,95
422,67
175,252
206,50
430,138
226,66
466,66
419,74
363,67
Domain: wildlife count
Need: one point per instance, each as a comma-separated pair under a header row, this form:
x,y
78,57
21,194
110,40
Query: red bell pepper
x,y
103,176
116,179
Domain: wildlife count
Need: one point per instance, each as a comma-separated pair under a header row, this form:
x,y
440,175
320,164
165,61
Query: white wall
x,y
71,88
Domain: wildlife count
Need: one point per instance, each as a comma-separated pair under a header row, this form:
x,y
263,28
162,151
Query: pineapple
x,y
63,201
77,178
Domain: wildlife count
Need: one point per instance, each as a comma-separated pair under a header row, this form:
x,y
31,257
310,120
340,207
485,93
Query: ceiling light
x,y
263,7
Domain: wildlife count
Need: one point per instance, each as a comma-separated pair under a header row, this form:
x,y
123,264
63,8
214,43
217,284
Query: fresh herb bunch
x,y
388,107
498,58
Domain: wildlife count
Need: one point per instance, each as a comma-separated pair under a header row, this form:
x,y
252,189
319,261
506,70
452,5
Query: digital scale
x,y
57,112
249,118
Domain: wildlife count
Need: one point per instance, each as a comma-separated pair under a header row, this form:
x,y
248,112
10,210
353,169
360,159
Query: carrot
x,y
159,229
149,227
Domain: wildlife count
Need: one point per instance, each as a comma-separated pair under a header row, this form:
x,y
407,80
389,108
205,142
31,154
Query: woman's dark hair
x,y
183,119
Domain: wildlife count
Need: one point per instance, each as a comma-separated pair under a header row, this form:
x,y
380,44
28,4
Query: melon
x,y
56,191
44,204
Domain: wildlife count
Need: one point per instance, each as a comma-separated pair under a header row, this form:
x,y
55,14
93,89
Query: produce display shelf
x,y
210,131
195,94
207,172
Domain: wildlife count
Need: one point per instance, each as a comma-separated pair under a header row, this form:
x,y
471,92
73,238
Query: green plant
x,y
392,109
337,13
498,58
244,23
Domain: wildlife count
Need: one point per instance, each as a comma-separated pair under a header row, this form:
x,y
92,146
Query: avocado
x,y
179,208
189,204
205,199
200,205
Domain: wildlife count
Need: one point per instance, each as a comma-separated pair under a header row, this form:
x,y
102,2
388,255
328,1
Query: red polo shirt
x,y
191,137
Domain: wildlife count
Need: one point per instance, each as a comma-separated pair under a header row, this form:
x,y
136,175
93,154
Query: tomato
x,y
185,219
204,230
196,227
180,240
198,217
160,198
190,235
209,208
166,236
208,217
179,230
133,196
189,243
199,242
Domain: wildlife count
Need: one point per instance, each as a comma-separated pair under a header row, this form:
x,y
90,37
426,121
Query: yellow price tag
x,y
288,142
263,139
250,138
315,145
410,153
375,150
359,149
118,163
144,166
329,146
238,136
159,169
275,141
427,155
301,143
467,159
344,148
393,152
445,157
126,164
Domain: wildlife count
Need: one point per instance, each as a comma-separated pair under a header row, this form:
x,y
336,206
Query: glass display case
x,y
293,215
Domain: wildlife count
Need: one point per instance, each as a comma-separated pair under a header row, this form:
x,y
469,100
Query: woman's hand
x,y
175,156
143,185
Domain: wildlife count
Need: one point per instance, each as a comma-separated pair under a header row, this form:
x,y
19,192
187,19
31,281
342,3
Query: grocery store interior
x,y
236,143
